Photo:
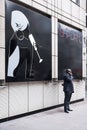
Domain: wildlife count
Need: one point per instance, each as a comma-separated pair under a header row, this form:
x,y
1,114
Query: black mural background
x,y
40,27
69,50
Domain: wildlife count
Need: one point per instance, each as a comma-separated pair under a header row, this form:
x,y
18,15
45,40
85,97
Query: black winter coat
x,y
68,85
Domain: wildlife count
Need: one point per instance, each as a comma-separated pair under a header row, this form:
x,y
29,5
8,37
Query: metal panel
x,y
28,44
69,50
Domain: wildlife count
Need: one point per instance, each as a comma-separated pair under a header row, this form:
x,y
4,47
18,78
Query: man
x,y
68,89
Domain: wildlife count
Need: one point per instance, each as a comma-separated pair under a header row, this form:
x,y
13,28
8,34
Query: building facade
x,y
38,40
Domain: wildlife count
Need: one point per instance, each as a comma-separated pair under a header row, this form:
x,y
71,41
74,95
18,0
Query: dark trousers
x,y
67,100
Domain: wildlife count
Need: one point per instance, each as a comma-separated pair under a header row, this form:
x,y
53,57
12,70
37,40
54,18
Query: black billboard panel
x,y
28,44
69,50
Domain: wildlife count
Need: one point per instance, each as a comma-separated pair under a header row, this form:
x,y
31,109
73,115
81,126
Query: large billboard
x,y
28,43
69,50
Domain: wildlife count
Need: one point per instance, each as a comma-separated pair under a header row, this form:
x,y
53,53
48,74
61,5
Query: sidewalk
x,y
54,119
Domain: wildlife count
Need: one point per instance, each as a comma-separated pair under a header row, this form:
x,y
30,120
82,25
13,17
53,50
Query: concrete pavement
x,y
54,119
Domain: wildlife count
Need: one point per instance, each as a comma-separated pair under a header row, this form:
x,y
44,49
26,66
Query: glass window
x,y
76,1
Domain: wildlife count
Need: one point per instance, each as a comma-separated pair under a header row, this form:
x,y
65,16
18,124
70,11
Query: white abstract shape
x,y
40,60
18,21
32,40
13,62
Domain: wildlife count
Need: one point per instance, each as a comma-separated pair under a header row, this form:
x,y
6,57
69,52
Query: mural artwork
x,y
28,44
69,50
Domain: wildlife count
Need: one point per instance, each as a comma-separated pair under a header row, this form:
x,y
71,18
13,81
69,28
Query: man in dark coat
x,y
68,89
